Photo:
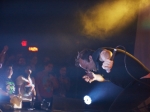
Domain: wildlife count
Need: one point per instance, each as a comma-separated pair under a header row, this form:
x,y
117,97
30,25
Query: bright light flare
x,y
87,100
33,49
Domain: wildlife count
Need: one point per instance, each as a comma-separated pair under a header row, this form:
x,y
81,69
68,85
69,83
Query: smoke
x,y
110,17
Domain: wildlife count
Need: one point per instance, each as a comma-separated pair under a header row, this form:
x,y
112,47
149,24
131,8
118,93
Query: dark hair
x,y
24,72
5,69
84,54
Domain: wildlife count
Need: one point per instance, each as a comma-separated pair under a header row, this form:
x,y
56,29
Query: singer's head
x,y
84,60
87,58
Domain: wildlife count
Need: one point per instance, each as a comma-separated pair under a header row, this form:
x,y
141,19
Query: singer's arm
x,y
95,77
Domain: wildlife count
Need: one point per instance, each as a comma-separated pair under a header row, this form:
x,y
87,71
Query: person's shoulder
x,y
19,78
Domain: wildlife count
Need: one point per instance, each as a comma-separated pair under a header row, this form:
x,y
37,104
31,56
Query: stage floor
x,y
25,110
35,110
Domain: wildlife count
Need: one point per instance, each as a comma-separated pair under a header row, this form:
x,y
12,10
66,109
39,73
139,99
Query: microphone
x,y
112,58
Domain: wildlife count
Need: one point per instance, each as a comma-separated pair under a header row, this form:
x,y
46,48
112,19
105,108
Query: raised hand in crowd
x,y
2,55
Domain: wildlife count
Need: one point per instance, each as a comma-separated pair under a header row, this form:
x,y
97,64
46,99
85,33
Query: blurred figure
x,y
26,85
22,61
33,64
19,67
46,83
64,82
43,62
18,56
7,86
46,59
10,60
2,55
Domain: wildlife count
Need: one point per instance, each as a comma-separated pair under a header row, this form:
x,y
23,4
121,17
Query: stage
x,y
60,104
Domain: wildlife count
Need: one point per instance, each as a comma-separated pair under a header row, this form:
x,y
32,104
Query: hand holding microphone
x,y
108,63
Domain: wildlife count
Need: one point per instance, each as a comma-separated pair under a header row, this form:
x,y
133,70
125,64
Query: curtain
x,y
142,42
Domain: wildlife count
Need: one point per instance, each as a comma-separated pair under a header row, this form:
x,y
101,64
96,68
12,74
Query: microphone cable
x,y
124,51
128,70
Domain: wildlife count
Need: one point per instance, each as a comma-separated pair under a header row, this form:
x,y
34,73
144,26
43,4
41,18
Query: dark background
x,y
53,26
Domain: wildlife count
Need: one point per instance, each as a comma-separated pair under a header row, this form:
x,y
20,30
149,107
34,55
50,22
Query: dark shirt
x,y
6,84
125,70
46,83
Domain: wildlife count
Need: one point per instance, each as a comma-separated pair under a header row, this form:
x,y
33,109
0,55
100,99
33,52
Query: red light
x,y
24,43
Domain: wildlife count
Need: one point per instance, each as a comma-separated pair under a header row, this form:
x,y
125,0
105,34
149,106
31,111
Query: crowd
x,y
28,77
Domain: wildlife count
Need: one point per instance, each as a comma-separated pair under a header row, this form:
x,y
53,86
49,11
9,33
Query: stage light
x,y
87,100
24,43
33,49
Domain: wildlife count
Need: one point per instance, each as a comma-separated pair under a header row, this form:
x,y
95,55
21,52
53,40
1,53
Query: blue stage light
x,y
87,100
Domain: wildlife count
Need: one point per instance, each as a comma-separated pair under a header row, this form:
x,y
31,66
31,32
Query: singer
x,y
122,69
